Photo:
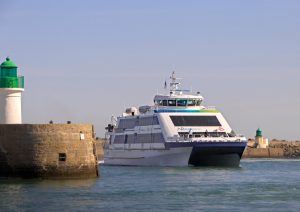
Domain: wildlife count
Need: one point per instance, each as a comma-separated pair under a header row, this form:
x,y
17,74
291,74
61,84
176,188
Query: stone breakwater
x,y
276,149
48,151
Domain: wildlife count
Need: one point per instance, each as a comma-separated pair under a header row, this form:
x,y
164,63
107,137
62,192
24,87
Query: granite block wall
x,y
48,151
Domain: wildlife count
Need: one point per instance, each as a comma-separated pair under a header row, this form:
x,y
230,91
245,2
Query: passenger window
x,y
172,102
165,103
181,102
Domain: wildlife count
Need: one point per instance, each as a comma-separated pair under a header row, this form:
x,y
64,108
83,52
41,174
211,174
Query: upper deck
x,y
178,99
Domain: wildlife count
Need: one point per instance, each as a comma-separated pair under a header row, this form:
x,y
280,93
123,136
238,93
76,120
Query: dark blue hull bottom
x,y
225,154
216,156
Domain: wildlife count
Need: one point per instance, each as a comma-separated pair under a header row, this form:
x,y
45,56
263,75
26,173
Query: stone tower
x,y
11,88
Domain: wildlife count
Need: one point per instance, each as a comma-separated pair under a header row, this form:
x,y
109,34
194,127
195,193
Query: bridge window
x,y
162,102
172,102
191,102
181,102
159,102
198,102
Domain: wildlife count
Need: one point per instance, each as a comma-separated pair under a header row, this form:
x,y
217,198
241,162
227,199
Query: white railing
x,y
208,139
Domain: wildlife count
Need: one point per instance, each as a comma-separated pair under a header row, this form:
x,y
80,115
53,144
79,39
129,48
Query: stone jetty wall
x,y
48,151
99,146
263,153
276,149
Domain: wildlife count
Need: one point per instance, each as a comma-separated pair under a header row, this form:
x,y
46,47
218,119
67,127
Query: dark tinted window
x,y
158,138
191,102
127,123
139,138
150,138
195,121
172,102
119,139
146,121
181,102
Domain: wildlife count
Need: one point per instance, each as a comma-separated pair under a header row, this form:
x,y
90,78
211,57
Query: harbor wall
x,y
48,151
99,146
263,153
276,149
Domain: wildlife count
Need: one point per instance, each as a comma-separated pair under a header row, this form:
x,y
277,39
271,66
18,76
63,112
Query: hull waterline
x,y
224,154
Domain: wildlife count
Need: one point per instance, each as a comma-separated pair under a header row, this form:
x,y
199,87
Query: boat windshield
x,y
181,102
191,102
194,102
178,102
172,102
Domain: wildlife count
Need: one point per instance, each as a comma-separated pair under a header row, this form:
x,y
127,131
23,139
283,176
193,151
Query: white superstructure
x,y
176,131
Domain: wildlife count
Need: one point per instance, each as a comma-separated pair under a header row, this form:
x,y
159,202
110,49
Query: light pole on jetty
x,y
11,88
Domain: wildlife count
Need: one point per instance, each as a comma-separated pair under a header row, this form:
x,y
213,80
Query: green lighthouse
x,y
9,76
11,88
258,133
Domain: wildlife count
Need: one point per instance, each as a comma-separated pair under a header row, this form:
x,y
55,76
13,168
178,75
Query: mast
x,y
173,84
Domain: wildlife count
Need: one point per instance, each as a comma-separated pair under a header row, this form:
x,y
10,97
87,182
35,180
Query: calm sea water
x,y
258,185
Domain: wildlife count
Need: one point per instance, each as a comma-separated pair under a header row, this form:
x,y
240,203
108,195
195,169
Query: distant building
x,y
260,140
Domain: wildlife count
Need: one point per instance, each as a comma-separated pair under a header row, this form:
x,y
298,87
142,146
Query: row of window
x,y
139,138
179,102
195,121
130,123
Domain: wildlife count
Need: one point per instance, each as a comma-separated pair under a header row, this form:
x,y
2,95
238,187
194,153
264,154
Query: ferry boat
x,y
176,131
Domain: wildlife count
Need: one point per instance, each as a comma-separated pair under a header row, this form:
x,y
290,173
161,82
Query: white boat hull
x,y
151,157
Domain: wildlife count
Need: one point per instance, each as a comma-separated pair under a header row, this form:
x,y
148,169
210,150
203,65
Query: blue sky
x,y
87,60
